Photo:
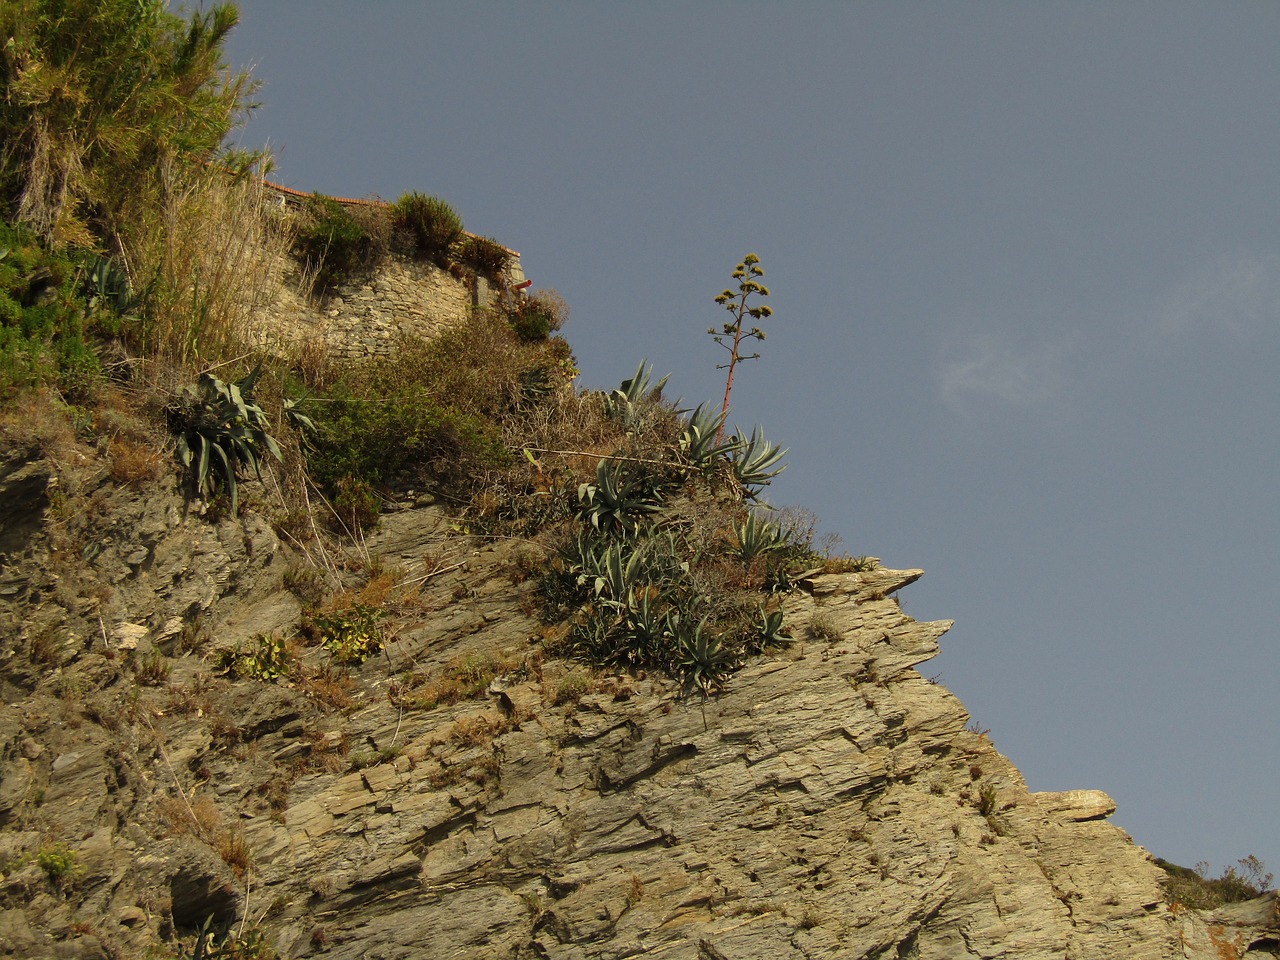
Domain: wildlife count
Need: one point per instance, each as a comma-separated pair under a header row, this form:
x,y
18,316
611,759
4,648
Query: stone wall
x,y
404,297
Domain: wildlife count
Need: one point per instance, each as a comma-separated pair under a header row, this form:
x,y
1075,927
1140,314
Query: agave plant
x,y
621,574
754,460
220,428
618,501
626,405
770,631
581,560
700,658
106,283
699,441
648,627
756,537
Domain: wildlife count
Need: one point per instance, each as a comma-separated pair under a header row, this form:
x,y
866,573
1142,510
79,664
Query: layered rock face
x,y
830,803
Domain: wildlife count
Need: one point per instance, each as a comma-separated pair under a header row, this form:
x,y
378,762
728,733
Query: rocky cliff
x,y
462,795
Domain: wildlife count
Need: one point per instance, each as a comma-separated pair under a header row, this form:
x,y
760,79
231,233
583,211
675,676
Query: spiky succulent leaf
x,y
755,461
619,501
757,536
628,403
699,440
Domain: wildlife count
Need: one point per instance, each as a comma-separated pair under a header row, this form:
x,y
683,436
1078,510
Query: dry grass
x,y
196,815
476,731
210,260
134,463
327,686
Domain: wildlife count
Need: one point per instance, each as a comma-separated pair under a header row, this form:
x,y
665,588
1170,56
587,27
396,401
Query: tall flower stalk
x,y
734,332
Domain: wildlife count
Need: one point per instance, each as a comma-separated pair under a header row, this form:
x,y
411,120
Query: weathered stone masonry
x,y
404,297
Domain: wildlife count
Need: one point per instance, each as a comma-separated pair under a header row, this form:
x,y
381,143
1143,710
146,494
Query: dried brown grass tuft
x,y
209,259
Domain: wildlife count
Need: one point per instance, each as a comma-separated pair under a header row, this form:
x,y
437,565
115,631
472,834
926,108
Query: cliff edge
x,y
462,795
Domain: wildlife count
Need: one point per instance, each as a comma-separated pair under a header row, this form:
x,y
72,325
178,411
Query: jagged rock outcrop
x,y
830,803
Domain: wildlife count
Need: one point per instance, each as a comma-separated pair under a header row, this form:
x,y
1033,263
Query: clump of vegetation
x,y
661,563
60,865
351,636
102,99
431,222
463,678
1199,889
485,255
265,659
220,428
234,943
538,315
333,245
441,415
45,317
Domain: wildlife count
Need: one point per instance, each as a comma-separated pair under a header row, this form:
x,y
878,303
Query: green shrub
x,y
435,414
434,225
333,246
361,444
104,98
266,659
536,316
43,319
484,255
59,864
351,636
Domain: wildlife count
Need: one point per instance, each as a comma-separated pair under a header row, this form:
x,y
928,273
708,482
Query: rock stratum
x,y
830,803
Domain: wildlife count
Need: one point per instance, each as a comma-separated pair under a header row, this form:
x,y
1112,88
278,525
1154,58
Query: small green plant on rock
x,y
351,636
59,863
704,662
266,659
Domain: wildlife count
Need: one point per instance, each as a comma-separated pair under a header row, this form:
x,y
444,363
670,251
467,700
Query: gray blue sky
x,y
1025,265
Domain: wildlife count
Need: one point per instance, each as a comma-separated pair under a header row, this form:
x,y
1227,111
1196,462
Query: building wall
x,y
404,297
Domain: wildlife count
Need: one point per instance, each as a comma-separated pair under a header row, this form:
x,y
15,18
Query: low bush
x,y
404,439
441,414
44,319
433,225
484,255
538,315
60,865
334,245
1199,889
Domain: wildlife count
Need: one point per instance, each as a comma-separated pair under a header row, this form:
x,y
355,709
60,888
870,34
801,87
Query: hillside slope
x,y
829,803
